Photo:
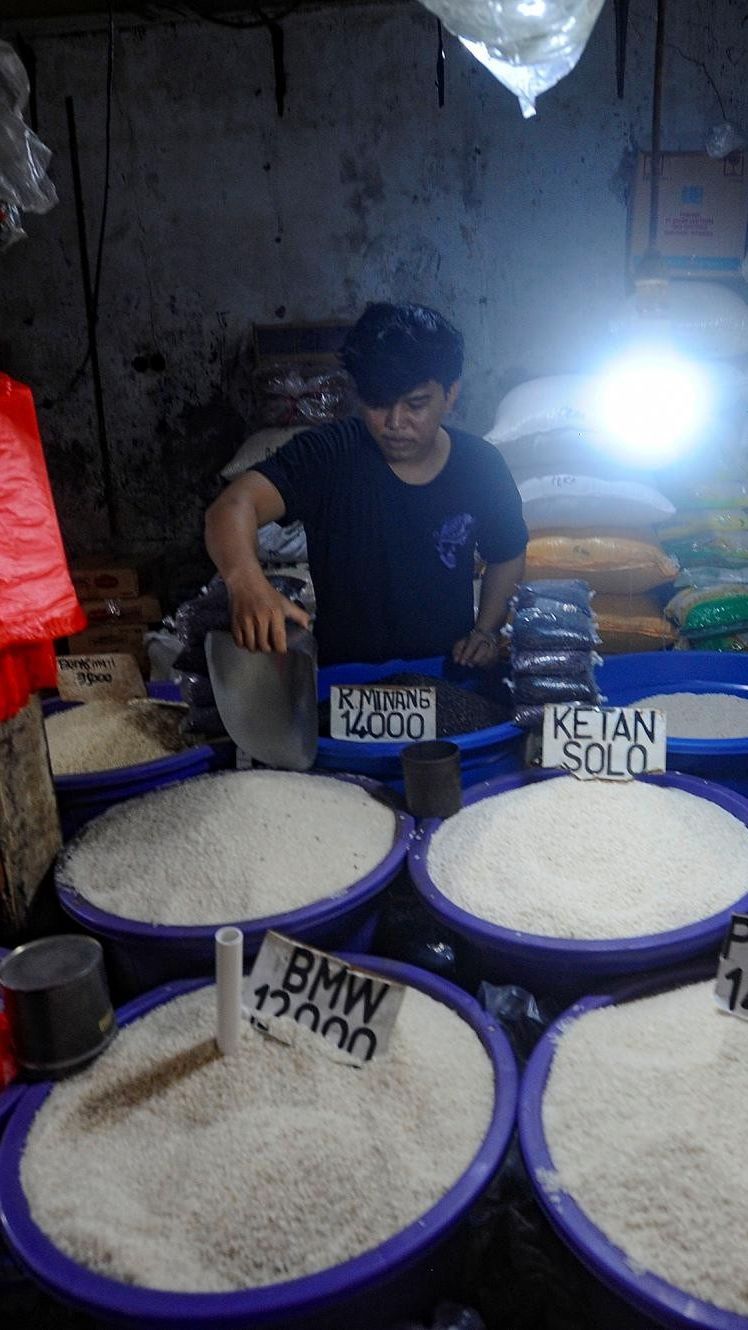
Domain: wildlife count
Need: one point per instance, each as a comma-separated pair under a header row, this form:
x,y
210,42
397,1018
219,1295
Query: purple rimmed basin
x,y
655,1302
566,968
9,1272
140,955
82,796
400,1278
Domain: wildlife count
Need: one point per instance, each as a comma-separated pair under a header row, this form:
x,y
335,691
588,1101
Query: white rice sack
x,y
574,502
234,846
259,446
561,401
644,1115
701,715
591,859
168,1166
704,319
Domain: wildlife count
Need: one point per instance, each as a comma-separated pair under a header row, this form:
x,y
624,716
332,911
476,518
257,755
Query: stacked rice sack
x,y
590,516
708,535
553,635
710,605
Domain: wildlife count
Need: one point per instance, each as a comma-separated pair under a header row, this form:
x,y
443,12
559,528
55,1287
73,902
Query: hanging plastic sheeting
x,y
528,45
24,184
37,601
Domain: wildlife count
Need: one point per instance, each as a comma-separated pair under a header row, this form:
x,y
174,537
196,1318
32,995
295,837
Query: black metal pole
x,y
659,62
88,295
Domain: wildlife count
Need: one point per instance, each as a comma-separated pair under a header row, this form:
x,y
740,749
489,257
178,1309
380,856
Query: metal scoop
x,y
268,702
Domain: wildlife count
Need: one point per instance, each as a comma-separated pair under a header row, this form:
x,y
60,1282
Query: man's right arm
x,y
258,611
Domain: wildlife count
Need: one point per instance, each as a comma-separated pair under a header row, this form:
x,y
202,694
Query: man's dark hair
x,y
393,348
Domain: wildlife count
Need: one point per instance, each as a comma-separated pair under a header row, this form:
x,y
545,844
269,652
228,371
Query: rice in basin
x,y
701,715
644,1118
168,1166
240,845
591,859
106,736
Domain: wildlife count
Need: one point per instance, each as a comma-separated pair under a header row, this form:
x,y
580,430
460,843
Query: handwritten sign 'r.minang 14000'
x,y
604,743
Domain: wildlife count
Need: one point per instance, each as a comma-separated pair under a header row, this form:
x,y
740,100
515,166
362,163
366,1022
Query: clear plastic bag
x,y
519,1015
528,45
533,689
569,664
568,591
196,690
723,139
448,1316
528,717
299,394
24,159
535,629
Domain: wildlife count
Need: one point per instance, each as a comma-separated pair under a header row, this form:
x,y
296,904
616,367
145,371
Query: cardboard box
x,y
115,611
702,213
127,638
95,577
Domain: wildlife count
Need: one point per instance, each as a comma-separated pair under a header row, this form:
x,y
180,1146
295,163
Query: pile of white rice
x,y
644,1115
701,715
168,1166
240,845
101,736
591,859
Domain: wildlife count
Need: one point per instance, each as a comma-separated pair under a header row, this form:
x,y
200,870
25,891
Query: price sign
x,y
354,1009
604,743
374,714
731,991
110,678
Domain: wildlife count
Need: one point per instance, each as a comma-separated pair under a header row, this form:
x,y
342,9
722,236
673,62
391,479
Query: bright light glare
x,y
653,406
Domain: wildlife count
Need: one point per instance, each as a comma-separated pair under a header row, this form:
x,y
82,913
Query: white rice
x,y
591,859
168,1166
701,715
644,1115
241,845
101,736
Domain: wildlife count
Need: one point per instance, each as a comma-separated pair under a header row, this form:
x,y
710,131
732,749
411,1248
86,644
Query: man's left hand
x,y
479,649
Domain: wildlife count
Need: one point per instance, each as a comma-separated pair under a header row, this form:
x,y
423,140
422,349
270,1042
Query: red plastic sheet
x,y
37,600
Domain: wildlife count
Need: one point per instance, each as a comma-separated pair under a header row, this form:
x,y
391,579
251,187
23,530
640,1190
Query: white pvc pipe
x,y
229,956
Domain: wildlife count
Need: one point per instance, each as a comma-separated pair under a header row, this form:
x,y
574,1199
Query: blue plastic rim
x,y
499,744
648,1293
295,922
603,956
277,1303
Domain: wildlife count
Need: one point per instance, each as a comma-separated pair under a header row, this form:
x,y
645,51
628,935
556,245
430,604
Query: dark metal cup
x,y
57,1002
432,778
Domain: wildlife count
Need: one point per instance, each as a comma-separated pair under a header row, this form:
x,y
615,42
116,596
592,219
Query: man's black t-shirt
x,y
392,563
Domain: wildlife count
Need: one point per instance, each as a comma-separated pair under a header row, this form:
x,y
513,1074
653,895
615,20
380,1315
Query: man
x,y
394,506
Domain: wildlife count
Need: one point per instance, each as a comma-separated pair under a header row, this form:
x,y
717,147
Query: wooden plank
x,y
29,822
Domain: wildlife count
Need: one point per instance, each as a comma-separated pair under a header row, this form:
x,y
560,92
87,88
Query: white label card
x,y
369,713
113,677
354,1009
731,991
604,743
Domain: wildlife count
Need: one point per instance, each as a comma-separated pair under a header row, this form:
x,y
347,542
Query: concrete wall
x,y
221,213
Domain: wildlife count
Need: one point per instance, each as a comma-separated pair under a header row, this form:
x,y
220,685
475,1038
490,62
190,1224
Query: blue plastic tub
x,y
650,1301
624,679
140,956
483,754
564,968
400,1279
81,797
